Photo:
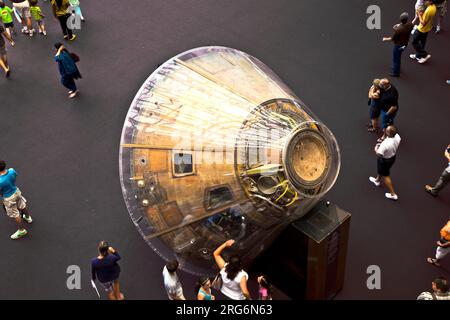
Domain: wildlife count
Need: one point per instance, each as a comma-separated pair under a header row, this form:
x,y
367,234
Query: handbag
x,y
74,57
217,282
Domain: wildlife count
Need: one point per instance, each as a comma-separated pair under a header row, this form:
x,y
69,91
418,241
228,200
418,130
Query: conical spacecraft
x,y
215,147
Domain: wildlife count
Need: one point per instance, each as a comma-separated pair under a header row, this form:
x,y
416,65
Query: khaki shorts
x,y
23,8
15,203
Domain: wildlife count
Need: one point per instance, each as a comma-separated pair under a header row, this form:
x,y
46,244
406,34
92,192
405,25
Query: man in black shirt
x,y
389,105
400,38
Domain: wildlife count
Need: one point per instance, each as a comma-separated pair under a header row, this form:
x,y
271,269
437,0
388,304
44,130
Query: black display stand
x,y
307,261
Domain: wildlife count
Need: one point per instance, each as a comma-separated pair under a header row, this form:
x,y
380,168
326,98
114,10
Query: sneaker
x,y
40,31
28,219
24,30
74,36
375,181
73,94
44,33
66,37
390,196
413,56
19,234
31,32
423,60
438,28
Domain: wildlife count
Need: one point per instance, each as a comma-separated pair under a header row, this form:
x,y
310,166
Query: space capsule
x,y
214,147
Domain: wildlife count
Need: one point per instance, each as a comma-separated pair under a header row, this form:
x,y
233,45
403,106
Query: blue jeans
x,y
387,120
397,58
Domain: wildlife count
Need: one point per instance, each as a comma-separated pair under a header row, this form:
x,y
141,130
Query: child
x,y
75,4
203,289
7,18
374,103
36,12
265,288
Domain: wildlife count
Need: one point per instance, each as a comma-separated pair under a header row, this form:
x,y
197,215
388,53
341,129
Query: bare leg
x,y
388,182
116,289
111,295
25,212
19,223
374,123
4,64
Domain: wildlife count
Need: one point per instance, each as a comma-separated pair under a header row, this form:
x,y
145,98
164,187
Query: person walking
x,y
386,152
420,34
38,16
388,104
443,179
171,282
7,18
234,278
106,269
61,12
3,57
22,7
440,290
13,201
443,246
400,38
203,289
67,69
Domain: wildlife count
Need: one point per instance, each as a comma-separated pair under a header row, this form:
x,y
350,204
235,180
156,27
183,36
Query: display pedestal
x,y
307,261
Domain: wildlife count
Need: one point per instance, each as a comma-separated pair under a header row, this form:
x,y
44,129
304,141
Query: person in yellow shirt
x,y
421,33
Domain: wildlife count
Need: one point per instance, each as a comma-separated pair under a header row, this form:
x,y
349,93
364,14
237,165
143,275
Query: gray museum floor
x,y
67,151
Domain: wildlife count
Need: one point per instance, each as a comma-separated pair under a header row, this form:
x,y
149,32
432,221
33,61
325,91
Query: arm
x,y
115,253
217,254
93,271
446,154
443,245
200,296
244,288
391,110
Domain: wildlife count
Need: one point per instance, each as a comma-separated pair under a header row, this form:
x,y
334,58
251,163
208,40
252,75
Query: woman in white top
x,y
234,279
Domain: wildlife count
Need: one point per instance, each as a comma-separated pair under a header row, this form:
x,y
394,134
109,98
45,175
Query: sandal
x,y
433,262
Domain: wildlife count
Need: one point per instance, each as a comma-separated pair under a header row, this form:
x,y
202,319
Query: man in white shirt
x,y
443,179
386,152
171,281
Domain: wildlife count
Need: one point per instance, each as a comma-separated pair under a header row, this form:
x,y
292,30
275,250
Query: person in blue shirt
x,y
107,271
68,69
13,201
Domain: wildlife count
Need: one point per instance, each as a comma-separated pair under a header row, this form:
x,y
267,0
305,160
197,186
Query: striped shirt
x,y
435,296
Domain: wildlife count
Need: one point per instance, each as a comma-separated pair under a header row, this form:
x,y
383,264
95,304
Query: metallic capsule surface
x,y
215,147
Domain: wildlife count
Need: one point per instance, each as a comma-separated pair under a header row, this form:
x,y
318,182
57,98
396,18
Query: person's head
x,y
385,84
263,282
234,266
376,83
2,4
440,285
103,248
2,165
33,2
203,282
172,266
404,17
58,45
391,131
